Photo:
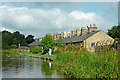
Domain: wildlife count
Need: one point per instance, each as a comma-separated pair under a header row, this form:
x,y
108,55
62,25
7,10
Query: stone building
x,y
57,36
84,30
73,33
39,39
78,32
88,38
54,36
94,28
62,35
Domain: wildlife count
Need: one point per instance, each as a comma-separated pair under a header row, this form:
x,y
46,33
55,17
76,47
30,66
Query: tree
x,y
23,40
114,32
18,38
29,39
47,42
59,42
7,39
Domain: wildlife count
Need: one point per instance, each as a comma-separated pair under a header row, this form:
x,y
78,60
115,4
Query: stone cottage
x,y
88,38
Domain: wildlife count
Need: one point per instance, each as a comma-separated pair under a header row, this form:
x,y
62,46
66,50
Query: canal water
x,y
27,67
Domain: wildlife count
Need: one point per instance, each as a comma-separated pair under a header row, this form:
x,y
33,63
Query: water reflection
x,y
27,67
46,68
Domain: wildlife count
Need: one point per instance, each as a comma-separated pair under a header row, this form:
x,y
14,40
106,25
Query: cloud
x,y
40,21
3,28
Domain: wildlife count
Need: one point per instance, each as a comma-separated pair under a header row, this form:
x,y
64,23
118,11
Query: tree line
x,y
11,40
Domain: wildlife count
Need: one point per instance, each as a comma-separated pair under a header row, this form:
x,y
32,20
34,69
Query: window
x,y
93,44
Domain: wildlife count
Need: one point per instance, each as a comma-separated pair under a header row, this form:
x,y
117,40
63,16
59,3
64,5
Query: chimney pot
x,y
90,25
93,25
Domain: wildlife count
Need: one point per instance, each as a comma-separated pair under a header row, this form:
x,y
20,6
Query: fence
x,y
103,46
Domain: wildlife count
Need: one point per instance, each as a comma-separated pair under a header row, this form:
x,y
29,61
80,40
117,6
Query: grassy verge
x,y
38,54
76,62
16,51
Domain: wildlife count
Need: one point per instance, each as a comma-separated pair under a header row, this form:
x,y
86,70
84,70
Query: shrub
x,y
26,48
13,46
35,49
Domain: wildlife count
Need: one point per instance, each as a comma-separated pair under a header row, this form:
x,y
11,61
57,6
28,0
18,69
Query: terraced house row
x,y
88,37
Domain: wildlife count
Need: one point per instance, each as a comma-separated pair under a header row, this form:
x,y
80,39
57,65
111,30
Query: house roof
x,y
78,38
35,43
70,39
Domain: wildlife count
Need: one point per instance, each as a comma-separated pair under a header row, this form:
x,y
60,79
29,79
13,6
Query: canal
x,y
27,67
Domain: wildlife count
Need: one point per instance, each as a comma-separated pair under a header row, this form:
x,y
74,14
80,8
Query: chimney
x,y
93,25
78,31
88,28
73,33
90,25
84,30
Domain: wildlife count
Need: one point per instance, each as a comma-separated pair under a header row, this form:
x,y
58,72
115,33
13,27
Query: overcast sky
x,y
40,18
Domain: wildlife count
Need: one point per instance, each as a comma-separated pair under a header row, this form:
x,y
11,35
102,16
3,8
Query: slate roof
x,y
78,38
35,43
70,39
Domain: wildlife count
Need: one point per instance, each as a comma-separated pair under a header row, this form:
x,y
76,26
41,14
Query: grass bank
x,y
13,52
76,62
40,55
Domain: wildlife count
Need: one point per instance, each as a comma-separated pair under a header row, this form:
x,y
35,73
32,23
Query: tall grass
x,y
76,62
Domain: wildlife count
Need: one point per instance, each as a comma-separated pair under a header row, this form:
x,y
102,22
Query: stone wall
x,y
98,37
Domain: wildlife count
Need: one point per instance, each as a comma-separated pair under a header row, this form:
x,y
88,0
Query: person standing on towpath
x,y
49,51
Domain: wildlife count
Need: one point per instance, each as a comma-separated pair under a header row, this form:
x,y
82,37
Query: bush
x,y
26,48
35,49
13,46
